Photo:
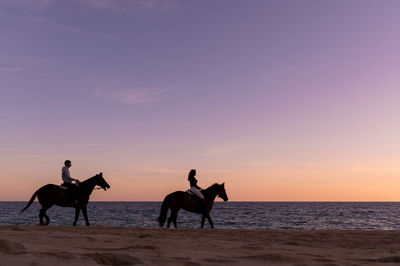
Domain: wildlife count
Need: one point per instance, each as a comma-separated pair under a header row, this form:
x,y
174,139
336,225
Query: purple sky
x,y
292,96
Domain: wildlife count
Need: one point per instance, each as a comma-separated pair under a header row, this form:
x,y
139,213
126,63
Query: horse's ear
x,y
223,184
101,174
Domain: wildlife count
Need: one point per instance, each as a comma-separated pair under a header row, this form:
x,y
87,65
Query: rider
x,y
193,184
67,180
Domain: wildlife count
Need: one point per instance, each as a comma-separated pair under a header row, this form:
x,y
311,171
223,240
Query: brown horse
x,y
50,194
182,200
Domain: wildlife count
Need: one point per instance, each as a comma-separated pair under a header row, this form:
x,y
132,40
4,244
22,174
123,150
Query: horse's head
x,y
100,181
221,192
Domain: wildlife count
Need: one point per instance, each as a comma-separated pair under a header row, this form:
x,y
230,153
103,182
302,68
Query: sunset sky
x,y
281,100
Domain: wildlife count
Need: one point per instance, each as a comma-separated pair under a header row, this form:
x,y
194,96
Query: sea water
x,y
257,215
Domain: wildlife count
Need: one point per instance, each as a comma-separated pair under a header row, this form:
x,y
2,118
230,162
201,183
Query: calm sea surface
x,y
270,215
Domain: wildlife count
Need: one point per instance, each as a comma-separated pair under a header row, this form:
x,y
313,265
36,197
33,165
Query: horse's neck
x,y
88,185
210,194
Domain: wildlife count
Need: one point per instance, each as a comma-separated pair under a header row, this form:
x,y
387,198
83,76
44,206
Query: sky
x,y
281,100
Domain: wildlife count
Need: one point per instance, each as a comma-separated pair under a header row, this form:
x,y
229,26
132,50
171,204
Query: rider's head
x,y
67,163
192,173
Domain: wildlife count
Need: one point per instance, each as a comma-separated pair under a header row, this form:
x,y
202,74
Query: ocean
x,y
254,215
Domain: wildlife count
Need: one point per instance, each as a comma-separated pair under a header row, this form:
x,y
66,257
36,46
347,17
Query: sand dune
x,y
41,245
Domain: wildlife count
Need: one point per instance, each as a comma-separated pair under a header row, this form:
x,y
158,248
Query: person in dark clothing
x,y
194,188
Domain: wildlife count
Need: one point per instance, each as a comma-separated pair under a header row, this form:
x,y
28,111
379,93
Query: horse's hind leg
x,y
210,221
42,214
174,220
203,219
47,218
46,204
169,221
173,217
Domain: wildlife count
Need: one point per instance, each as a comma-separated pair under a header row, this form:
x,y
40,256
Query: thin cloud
x,y
299,167
155,169
37,5
35,11
162,170
11,69
139,8
9,63
132,96
16,63
225,149
60,25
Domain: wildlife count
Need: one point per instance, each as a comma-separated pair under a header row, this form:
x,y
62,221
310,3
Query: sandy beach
x,y
41,245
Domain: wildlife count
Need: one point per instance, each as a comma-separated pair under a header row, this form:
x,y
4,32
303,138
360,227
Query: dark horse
x,y
50,194
182,200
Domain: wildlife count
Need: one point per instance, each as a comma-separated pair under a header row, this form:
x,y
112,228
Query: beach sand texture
x,y
51,245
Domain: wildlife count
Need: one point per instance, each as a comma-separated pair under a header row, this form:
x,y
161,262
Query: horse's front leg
x,y
203,219
84,211
77,211
210,221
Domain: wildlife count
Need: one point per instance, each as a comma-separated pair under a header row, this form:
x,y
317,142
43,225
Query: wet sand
x,y
51,245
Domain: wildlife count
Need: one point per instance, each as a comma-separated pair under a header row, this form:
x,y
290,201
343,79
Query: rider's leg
x,y
201,196
72,192
197,192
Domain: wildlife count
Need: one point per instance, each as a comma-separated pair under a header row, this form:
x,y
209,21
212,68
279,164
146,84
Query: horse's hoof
x,y
87,224
74,224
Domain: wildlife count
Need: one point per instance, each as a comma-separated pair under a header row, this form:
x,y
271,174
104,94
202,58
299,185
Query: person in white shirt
x,y
67,180
65,175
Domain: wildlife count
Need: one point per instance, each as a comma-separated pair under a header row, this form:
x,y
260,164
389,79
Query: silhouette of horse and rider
x,y
184,200
67,195
77,195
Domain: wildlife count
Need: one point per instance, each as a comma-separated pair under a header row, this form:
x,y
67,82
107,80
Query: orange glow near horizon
x,y
363,182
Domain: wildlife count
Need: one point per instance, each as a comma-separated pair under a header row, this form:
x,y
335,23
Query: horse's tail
x,y
164,210
31,200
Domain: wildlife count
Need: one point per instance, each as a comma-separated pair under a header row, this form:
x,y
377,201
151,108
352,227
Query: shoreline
x,y
101,245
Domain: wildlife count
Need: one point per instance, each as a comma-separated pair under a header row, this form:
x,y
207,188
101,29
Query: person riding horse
x,y
183,200
50,194
195,189
67,181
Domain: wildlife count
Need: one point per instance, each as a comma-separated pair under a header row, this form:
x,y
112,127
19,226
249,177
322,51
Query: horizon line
x,y
244,201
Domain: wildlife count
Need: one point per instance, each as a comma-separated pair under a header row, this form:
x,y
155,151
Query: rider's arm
x,y
67,176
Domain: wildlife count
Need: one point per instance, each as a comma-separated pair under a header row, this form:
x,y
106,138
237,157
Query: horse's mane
x,y
91,178
212,187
